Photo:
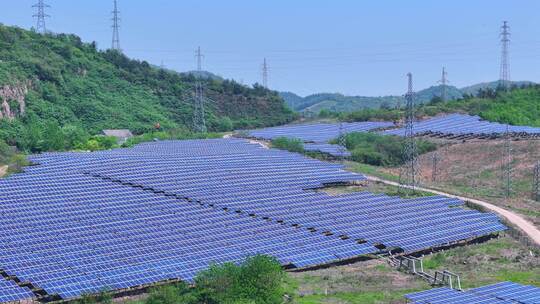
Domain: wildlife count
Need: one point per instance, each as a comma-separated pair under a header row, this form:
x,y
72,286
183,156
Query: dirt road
x,y
524,225
3,170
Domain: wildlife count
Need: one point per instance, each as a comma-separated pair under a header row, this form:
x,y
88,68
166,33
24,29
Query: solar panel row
x,y
318,135
10,291
459,124
500,293
85,222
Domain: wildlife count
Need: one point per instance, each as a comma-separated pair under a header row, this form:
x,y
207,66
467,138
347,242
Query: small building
x,y
121,135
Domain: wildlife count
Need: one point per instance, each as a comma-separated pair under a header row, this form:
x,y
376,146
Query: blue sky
x,y
350,46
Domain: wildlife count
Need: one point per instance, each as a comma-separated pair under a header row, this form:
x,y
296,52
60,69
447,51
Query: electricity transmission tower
x,y
342,142
199,124
116,27
504,79
41,15
507,164
435,166
444,84
536,182
410,152
265,74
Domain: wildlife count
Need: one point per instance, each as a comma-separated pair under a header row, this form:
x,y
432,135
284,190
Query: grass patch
x,y
363,297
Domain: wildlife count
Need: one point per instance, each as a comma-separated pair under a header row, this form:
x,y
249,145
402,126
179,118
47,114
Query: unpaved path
x,y
510,216
3,170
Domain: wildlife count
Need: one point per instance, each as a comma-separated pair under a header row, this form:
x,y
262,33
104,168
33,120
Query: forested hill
x,y
57,83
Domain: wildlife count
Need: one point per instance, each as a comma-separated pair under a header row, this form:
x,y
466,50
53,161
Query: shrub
x,y
289,144
259,279
381,150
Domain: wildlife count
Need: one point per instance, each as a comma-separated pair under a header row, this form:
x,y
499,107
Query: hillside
x,y
57,83
474,89
340,103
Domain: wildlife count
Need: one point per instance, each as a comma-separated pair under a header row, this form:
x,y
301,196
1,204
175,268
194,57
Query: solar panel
x,y
460,124
86,222
500,293
318,135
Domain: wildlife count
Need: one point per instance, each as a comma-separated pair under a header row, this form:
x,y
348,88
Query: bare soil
x,y
475,169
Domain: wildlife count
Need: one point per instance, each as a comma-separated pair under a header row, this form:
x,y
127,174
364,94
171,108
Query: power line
x,y
410,153
504,78
116,27
199,123
265,74
41,15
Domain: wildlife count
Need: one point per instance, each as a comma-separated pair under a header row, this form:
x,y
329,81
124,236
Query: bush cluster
x,y
257,280
381,150
289,144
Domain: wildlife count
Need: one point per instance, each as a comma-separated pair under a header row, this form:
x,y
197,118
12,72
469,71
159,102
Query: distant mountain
x,y
341,103
473,89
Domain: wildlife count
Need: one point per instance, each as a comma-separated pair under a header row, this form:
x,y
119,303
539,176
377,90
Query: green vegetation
x,y
289,144
381,150
497,260
518,106
332,102
259,279
8,157
68,91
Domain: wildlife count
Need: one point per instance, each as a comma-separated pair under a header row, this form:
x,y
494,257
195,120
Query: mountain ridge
x,y
338,102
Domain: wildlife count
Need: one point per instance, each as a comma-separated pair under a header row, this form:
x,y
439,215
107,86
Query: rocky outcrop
x,y
13,93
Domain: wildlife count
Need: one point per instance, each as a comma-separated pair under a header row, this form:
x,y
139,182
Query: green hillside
x,y
519,106
56,84
474,89
340,103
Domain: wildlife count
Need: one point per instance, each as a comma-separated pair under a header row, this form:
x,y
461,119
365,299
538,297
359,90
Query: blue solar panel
x,y
500,293
84,222
318,135
11,292
459,124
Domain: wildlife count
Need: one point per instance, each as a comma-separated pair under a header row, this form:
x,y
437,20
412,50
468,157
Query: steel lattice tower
x,y
199,123
342,142
435,166
41,15
116,28
410,152
507,163
504,79
536,182
444,84
265,74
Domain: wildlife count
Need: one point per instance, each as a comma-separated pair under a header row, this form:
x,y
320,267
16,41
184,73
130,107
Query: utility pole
x,y
444,83
504,79
199,124
536,182
41,15
116,27
507,164
265,74
410,153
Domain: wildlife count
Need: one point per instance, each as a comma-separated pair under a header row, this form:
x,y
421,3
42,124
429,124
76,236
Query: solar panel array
x,y
318,134
334,150
11,292
500,293
86,222
459,124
